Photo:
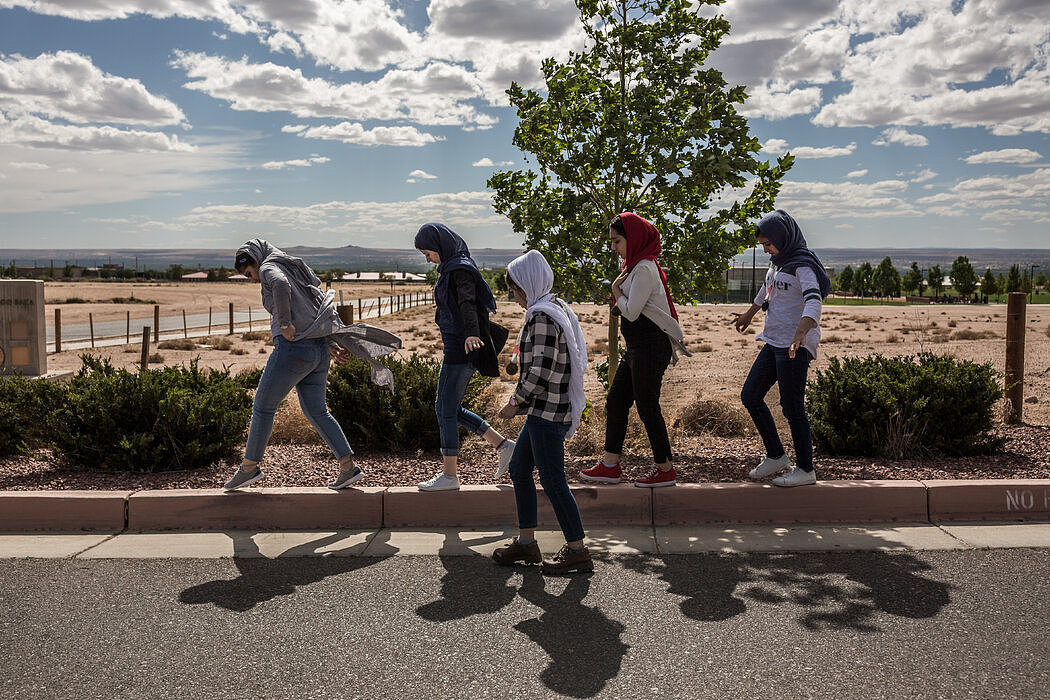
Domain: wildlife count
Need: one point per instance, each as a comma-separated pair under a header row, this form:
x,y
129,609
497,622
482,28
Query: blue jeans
x,y
541,445
452,385
304,366
773,366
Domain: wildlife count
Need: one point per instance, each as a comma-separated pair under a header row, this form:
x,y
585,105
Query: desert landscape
x,y
707,383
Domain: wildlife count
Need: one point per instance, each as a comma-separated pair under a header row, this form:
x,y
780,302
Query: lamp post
x,y
1031,282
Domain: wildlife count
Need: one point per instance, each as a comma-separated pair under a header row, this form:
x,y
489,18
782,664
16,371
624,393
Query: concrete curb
x,y
493,506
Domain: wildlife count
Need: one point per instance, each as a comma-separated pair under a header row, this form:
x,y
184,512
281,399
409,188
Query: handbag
x,y
494,337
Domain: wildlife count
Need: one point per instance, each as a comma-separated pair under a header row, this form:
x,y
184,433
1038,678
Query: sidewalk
x,y
455,542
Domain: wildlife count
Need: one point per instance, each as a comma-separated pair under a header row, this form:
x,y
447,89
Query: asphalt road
x,y
955,624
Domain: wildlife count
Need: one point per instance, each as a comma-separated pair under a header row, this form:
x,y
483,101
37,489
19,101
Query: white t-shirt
x,y
791,297
644,295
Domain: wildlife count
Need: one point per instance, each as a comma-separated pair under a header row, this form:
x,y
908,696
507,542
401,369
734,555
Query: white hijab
x,y
533,274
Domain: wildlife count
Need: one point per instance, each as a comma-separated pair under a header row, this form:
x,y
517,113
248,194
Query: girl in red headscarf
x,y
652,339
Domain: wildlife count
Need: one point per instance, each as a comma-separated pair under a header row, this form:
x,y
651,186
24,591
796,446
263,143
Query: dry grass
x,y
256,335
218,342
892,338
1048,331
713,417
969,334
156,359
290,426
177,344
238,351
831,338
706,347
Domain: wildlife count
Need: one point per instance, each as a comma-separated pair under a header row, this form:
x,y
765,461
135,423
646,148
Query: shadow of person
x,y
471,585
261,579
890,582
707,581
584,645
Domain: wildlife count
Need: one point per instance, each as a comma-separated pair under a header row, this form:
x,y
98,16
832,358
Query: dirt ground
x,y
720,362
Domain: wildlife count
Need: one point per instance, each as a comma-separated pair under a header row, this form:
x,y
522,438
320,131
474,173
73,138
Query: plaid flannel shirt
x,y
543,386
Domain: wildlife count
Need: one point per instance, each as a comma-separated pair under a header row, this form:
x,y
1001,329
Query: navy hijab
x,y
454,256
783,232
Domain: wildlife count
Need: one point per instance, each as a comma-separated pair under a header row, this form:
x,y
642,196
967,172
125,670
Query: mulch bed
x,y
700,459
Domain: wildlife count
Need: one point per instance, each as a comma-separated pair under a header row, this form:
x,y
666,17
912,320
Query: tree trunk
x,y
614,343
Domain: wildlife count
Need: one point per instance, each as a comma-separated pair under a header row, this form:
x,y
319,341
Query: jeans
x,y
773,366
541,445
638,379
304,366
452,385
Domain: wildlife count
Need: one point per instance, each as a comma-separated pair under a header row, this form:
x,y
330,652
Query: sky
x,y
200,123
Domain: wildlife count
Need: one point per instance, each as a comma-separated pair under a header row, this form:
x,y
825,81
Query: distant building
x,y
382,277
196,276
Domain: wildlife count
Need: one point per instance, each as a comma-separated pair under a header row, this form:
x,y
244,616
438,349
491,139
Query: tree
x,y
1040,280
1013,280
935,278
989,285
912,280
635,122
175,271
845,279
885,279
1026,282
964,279
862,279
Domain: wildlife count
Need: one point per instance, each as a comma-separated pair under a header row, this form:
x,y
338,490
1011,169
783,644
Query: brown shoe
x,y
512,553
568,560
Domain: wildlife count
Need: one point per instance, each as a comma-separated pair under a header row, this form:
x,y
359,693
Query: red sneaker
x,y
656,477
602,473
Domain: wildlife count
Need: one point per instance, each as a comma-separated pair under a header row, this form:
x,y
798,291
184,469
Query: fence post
x,y
145,348
1015,329
127,328
91,328
156,324
209,320
185,333
231,318
58,330
249,319
359,307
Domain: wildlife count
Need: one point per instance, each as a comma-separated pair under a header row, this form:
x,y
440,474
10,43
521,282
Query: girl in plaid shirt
x,y
553,356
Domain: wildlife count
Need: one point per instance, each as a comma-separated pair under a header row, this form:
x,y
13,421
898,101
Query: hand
x,y
508,411
472,343
339,353
288,332
742,321
797,342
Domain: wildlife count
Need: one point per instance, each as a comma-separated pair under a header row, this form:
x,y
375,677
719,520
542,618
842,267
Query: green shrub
x,y
904,407
25,405
151,420
373,418
249,378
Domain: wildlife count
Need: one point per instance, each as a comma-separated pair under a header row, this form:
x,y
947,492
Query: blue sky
x,y
199,123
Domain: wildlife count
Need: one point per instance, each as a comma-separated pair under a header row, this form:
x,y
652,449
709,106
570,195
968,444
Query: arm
x,y
542,338
811,308
645,279
742,321
282,296
467,298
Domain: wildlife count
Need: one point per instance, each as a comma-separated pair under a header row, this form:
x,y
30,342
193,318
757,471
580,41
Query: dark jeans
x,y
541,445
773,366
638,379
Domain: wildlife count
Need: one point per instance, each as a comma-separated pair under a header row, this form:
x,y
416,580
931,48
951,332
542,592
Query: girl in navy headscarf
x,y
464,302
791,296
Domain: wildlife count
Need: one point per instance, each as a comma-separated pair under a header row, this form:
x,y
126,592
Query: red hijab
x,y
643,243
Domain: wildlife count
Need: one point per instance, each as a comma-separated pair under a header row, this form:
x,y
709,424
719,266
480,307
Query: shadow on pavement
x,y
584,645
262,579
841,590
463,591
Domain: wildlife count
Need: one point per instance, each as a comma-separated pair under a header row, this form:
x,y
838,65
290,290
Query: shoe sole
x,y
524,562
654,486
754,476
249,482
600,479
352,480
438,488
501,472
583,568
791,486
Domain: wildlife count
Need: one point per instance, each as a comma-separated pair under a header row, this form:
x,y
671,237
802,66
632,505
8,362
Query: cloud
x,y
417,175
34,132
778,146
775,146
857,173
901,136
299,163
924,175
349,132
29,165
68,86
991,193
505,20
488,163
1004,155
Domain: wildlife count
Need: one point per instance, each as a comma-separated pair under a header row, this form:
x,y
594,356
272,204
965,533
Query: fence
x,y
125,332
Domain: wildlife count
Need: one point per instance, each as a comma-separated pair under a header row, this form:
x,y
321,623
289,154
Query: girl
x,y
553,355
304,321
652,338
791,296
464,302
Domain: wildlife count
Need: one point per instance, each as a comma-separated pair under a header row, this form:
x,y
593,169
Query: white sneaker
x,y
768,466
796,477
441,482
504,453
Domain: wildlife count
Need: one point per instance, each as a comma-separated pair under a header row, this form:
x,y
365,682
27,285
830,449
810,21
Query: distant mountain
x,y
998,259
348,258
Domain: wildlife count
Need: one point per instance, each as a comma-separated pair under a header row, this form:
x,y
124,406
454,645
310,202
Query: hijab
x,y
792,252
533,274
643,243
455,255
263,252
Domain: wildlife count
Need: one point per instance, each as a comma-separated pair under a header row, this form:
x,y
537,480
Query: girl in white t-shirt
x,y
791,296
